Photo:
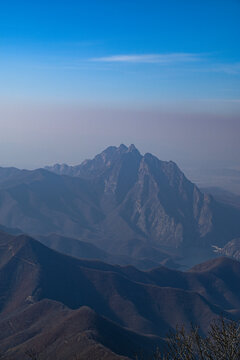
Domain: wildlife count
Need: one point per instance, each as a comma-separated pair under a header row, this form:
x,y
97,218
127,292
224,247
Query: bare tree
x,y
32,354
221,343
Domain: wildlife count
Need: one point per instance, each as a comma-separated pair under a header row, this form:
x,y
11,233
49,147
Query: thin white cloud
x,y
150,58
232,69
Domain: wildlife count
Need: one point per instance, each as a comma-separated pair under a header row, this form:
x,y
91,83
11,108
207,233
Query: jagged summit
x,y
107,157
123,148
132,148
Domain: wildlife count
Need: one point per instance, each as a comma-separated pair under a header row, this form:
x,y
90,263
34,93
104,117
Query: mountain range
x,y
131,208
60,306
92,257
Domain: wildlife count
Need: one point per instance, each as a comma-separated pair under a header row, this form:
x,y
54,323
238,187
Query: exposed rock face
x,y
231,249
164,205
153,197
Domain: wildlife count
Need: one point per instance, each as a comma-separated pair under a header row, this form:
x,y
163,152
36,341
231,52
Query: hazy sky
x,y
77,76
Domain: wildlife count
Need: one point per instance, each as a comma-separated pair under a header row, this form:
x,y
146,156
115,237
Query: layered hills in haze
x,y
124,203
61,306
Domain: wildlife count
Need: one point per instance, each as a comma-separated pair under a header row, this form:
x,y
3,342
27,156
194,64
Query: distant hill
x,y
85,250
223,196
124,203
61,305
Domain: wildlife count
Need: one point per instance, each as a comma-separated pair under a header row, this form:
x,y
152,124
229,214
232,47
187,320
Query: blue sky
x,y
172,57
120,51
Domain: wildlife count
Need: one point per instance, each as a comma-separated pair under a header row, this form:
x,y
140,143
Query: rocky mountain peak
x,y
122,148
132,148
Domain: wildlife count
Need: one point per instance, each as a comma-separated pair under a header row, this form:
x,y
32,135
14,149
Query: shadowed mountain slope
x,y
120,293
56,332
148,258
135,301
